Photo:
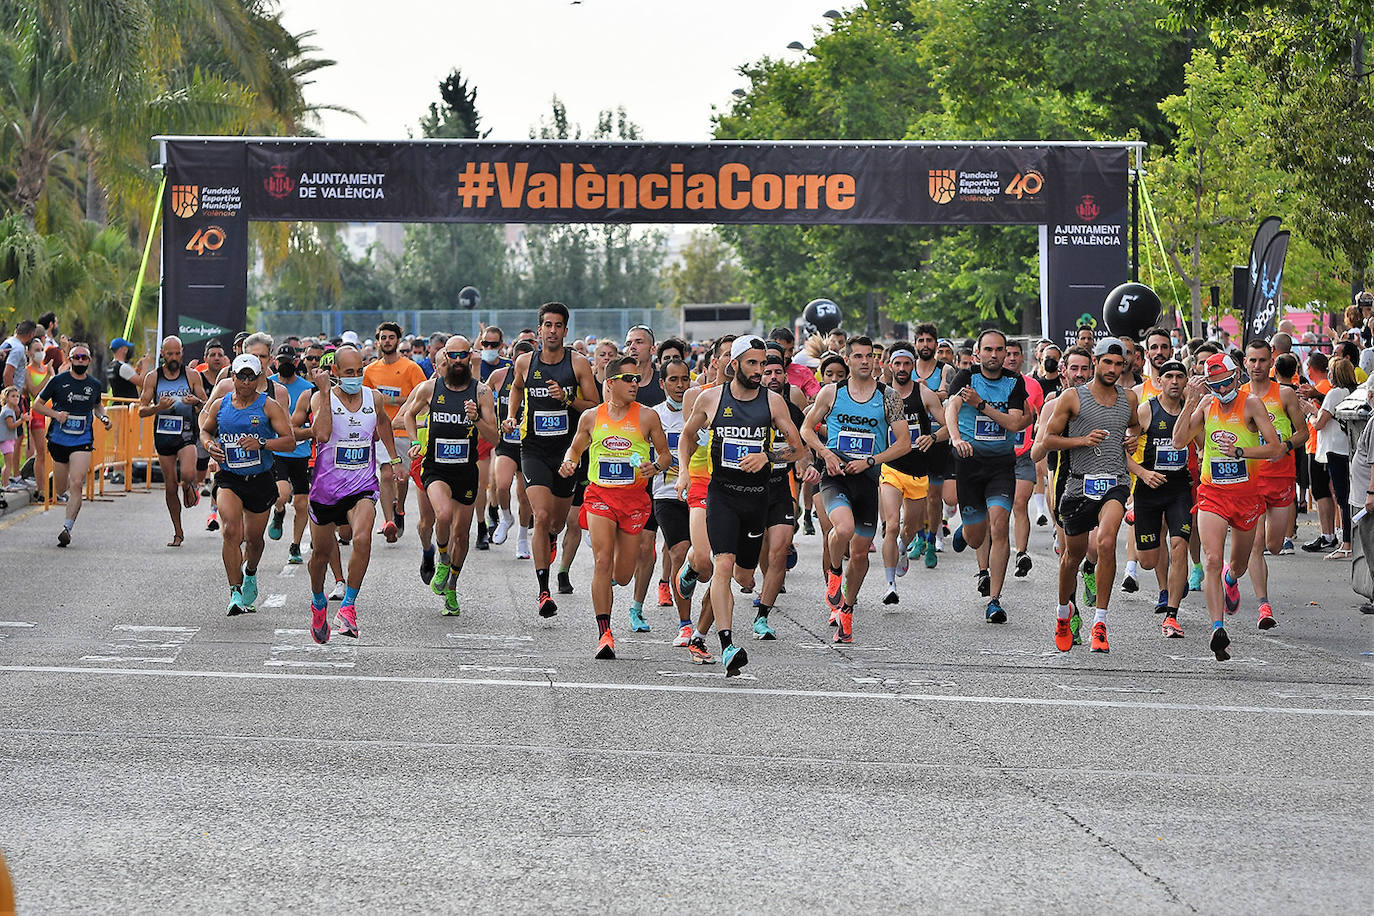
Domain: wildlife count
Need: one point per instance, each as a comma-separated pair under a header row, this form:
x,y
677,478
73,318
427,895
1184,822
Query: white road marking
x,y
288,571
1286,695
128,658
694,689
274,601
131,628
845,647
1021,653
707,675
297,663
18,624
900,682
133,638
503,669
1084,688
1212,658
483,637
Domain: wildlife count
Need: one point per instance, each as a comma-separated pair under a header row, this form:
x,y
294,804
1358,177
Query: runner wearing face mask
x,y
70,400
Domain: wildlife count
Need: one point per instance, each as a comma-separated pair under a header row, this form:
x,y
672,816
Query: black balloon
x,y
1131,309
821,316
469,298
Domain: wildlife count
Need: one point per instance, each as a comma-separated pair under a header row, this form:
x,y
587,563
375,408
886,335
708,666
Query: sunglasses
x,y
1222,385
78,358
624,377
457,354
311,359
491,345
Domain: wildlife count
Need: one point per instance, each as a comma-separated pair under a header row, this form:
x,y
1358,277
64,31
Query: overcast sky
x,y
666,63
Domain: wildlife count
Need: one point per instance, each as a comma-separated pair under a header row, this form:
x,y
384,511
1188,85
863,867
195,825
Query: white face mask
x,y
1229,396
491,356
676,405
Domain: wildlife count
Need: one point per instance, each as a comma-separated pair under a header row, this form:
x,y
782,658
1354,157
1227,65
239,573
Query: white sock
x,y
891,573
1100,616
1065,611
700,633
507,517
1038,500
1132,567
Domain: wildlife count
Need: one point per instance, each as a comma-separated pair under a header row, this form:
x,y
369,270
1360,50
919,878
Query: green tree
x,y
708,272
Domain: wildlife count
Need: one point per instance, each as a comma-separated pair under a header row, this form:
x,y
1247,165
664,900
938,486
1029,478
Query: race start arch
x,y
1077,193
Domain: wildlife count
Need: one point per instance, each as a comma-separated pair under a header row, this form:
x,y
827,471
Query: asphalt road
x,y
157,756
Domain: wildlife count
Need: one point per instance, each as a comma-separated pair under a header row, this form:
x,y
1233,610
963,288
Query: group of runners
x,y
723,459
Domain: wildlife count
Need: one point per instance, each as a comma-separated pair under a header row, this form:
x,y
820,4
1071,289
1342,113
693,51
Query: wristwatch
x,y
870,460
1240,452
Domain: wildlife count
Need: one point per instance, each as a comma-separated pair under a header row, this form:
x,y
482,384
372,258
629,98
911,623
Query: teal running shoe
x,y
1195,578
293,556
734,659
249,591
236,603
451,602
274,526
918,547
762,630
958,539
995,613
687,581
637,622
931,558
440,580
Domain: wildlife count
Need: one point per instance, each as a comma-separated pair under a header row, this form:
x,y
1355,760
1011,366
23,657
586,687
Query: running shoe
x,y
337,593
390,532
1266,617
1130,585
1320,544
605,647
1090,588
522,548
903,561
1195,578
834,617
995,613
792,556
293,555
212,523
249,591
64,537
891,596
493,515
959,542
498,536
547,606
1287,549
944,527
931,558
1076,627
1219,643
1098,642
808,526
274,526
400,517
984,583
553,549
1229,591
918,547
1023,565
687,581
844,631
1162,604
762,630
426,566
734,658
439,581
1063,634
665,594
637,622
1170,628
451,602
347,619
319,624
236,605
834,588
565,586
1042,520
483,541
697,651
684,636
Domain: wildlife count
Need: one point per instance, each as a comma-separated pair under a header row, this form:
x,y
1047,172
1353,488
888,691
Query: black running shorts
x,y
735,523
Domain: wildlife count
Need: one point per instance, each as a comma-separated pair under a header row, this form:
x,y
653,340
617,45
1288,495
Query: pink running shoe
x,y
347,619
319,624
1231,593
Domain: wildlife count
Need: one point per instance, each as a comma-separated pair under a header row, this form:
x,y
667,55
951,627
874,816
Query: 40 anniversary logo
x,y
581,187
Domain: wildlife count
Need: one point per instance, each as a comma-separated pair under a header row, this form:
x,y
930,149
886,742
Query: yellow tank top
x,y
618,448
1273,403
700,465
1226,425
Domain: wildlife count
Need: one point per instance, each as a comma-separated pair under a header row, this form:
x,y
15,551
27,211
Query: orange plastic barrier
x,y
129,439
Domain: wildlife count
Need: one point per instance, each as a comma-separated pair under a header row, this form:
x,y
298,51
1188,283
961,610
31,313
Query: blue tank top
x,y
295,390
856,429
986,435
235,423
178,423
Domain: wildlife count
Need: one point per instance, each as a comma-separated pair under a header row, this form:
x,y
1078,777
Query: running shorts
x,y
1277,492
1169,506
696,492
461,480
629,507
673,521
940,463
171,446
781,506
910,487
295,471
1240,506
337,513
62,454
983,481
540,470
416,467
257,491
508,450
1025,468
857,491
484,449
735,524
1078,514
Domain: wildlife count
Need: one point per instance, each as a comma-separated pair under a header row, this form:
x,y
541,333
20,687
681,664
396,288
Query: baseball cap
x,y
246,361
350,337
1109,345
119,342
286,350
743,345
1219,364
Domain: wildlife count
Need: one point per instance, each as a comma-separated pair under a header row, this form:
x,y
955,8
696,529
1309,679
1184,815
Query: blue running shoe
x,y
959,542
1195,578
734,658
236,603
249,591
995,614
791,556
637,621
762,630
274,526
1162,604
687,581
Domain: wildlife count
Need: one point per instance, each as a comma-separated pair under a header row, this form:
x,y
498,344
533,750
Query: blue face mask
x,y
676,405
352,385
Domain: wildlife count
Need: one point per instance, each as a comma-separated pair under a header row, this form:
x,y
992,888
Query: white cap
x,y
743,345
350,337
246,361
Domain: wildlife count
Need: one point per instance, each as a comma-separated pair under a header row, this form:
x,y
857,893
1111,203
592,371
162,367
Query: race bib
x,y
356,457
615,471
855,444
733,451
169,426
673,440
1096,486
240,459
389,392
1229,471
986,429
512,437
451,451
550,422
1020,440
1168,458
75,426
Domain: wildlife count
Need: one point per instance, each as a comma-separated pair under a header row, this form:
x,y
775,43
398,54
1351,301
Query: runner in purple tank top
x,y
344,489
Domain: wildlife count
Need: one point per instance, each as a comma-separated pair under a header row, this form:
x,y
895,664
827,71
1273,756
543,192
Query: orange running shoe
x,y
605,649
1170,628
698,652
1063,634
844,631
1266,617
1098,643
834,585
665,596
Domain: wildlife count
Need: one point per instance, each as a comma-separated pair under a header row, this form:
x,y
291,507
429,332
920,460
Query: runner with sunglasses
x,y
71,400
